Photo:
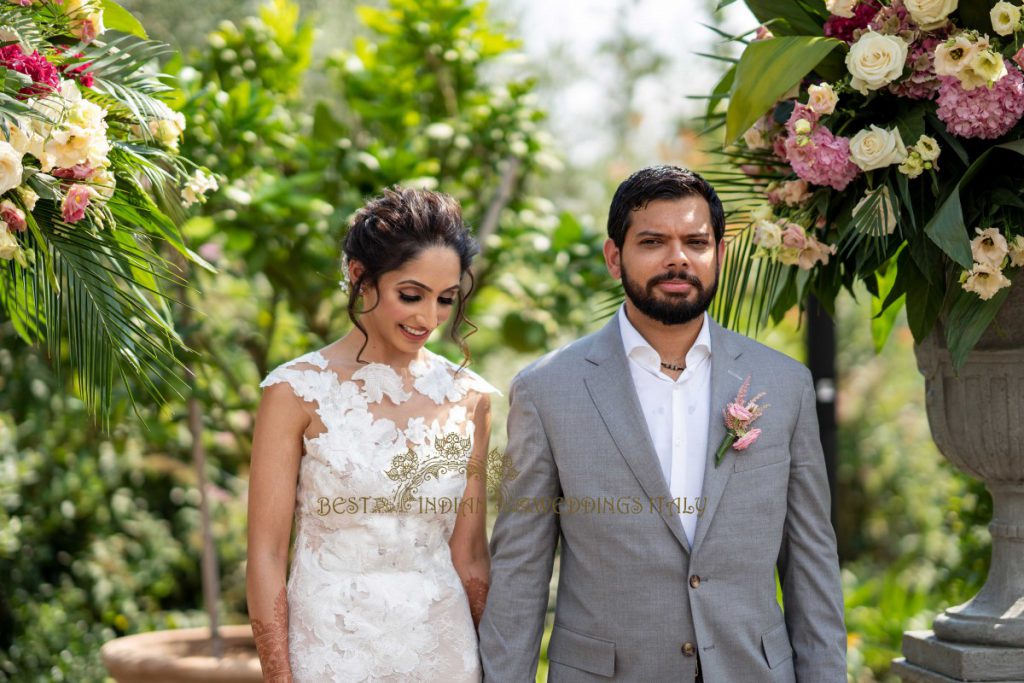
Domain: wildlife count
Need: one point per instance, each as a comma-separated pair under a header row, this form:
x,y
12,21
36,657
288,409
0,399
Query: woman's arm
x,y
276,451
469,538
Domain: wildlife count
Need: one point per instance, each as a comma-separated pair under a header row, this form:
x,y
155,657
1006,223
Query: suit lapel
x,y
611,387
726,378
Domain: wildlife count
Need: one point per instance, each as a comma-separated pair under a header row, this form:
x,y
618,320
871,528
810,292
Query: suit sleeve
x,y
808,562
522,551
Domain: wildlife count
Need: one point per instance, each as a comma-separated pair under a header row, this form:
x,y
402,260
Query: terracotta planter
x,y
183,656
977,421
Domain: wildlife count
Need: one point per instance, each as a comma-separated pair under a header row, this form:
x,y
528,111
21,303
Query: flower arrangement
x,y
90,180
875,140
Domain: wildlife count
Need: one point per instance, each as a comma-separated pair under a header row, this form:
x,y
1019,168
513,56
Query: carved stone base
x,y
930,660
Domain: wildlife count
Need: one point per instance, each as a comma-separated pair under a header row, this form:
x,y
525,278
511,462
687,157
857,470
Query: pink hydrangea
x,y
985,113
922,83
843,29
75,203
801,112
823,160
35,66
893,20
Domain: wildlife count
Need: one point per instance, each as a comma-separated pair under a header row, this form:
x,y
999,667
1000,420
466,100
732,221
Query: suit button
x,y
689,649
694,581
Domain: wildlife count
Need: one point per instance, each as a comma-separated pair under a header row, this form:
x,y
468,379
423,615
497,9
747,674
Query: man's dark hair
x,y
660,182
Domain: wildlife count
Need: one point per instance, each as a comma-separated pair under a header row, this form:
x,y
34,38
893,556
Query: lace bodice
x,y
372,593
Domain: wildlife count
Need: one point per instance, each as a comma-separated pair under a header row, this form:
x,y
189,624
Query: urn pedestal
x,y
183,656
977,420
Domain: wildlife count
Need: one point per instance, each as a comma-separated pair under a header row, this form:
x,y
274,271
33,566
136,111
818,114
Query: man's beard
x,y
674,311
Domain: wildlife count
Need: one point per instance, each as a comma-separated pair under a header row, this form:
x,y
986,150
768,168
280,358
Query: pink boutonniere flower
x,y
739,415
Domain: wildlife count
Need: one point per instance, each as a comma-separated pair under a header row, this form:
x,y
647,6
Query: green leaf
x,y
118,18
720,91
967,320
884,310
790,17
924,300
947,228
766,71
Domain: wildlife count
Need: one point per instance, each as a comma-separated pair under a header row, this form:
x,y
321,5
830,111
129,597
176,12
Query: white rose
x,y
841,8
930,14
9,246
1005,18
767,235
985,281
877,147
989,247
10,167
823,99
875,61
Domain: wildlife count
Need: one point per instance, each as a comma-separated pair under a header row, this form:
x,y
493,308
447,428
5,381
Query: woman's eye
x,y
446,301
408,298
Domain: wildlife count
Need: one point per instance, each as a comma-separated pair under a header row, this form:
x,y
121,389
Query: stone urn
x,y
976,417
183,656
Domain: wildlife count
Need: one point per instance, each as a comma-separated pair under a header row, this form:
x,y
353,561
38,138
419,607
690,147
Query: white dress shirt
x,y
677,411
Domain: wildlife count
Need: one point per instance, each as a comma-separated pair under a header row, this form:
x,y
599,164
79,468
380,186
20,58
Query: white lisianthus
x,y
28,197
841,8
912,166
1017,251
761,212
822,99
882,207
103,183
927,147
985,281
876,60
767,234
954,54
877,147
10,167
930,14
988,66
196,188
989,247
1005,18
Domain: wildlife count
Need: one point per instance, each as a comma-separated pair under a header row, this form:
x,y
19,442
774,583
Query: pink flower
x,y
75,203
12,216
922,83
76,172
985,113
1019,58
824,159
43,74
843,29
801,112
740,413
744,441
794,237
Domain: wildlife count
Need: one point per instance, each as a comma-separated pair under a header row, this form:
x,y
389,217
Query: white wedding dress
x,y
372,592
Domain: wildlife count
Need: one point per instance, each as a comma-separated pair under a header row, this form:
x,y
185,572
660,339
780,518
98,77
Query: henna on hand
x,y
272,642
476,591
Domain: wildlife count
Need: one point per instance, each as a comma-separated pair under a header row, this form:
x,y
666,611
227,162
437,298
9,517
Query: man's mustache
x,y
675,277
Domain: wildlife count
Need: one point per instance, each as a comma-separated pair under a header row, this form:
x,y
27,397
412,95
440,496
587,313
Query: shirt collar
x,y
642,352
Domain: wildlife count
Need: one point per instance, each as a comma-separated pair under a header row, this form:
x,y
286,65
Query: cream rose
x,y
1005,18
767,235
10,167
876,60
841,8
989,247
985,281
877,147
823,99
930,14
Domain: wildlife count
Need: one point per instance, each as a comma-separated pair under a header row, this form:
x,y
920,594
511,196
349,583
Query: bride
x,y
376,447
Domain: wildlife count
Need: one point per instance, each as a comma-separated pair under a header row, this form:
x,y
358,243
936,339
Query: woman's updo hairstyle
x,y
394,228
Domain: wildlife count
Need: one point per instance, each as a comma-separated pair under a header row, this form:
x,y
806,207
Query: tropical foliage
x,y
875,141
91,182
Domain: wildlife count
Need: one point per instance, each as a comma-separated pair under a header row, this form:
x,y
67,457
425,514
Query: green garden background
x,y
303,110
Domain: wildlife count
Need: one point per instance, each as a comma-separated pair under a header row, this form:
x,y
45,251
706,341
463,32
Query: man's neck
x,y
672,342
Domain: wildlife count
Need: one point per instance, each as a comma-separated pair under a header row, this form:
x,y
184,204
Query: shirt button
x,y
689,649
694,581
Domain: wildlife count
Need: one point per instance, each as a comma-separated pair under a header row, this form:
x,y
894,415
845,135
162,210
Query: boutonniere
x,y
739,415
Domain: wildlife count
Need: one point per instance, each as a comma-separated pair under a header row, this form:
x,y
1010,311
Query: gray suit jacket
x,y
634,600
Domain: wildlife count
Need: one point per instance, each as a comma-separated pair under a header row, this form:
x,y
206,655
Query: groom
x,y
668,559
